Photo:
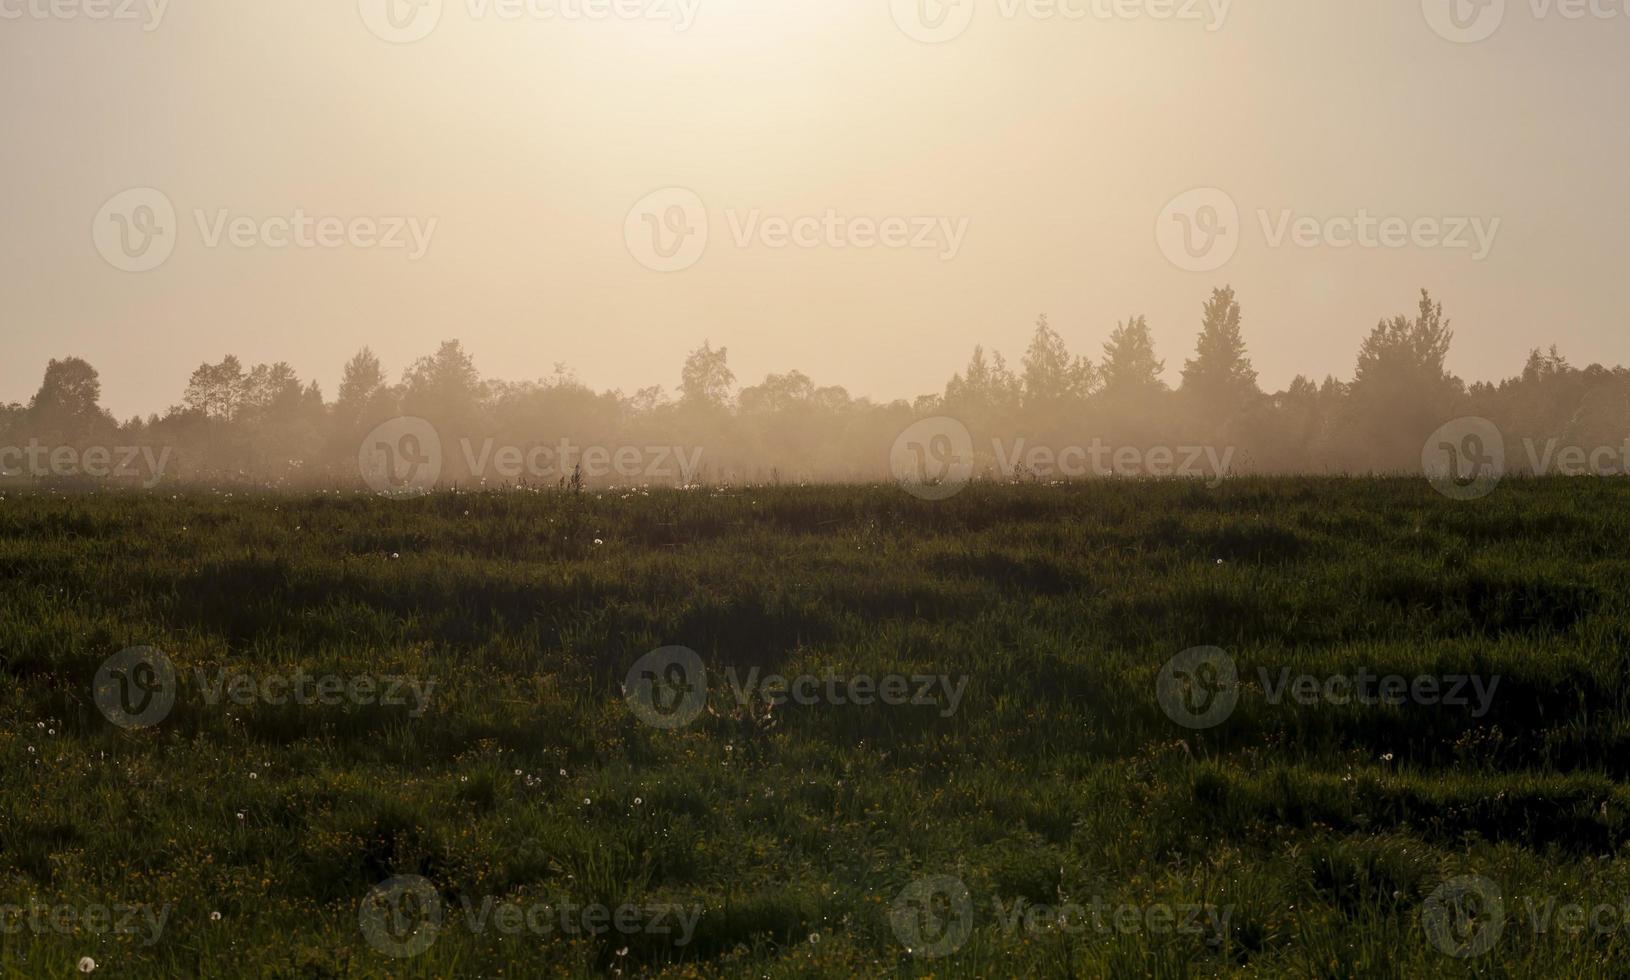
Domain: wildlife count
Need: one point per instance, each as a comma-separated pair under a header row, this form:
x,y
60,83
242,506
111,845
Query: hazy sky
x,y
1033,156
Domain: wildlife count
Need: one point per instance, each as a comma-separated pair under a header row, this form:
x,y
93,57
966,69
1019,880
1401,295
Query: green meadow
x,y
1288,727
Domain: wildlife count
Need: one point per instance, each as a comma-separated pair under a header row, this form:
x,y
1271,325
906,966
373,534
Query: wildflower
x,y
215,917
86,964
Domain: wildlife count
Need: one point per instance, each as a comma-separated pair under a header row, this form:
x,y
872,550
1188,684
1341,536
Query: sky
x,y
859,189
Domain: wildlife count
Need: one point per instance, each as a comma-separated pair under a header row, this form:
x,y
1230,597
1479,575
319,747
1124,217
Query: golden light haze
x,y
1055,141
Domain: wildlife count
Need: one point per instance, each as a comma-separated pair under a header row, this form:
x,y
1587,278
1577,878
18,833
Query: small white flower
x,y
86,964
215,917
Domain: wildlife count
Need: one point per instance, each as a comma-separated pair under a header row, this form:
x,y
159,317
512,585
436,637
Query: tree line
x,y
264,425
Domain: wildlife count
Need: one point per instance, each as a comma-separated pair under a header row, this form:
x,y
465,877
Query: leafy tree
x,y
988,385
1220,377
216,391
1402,354
1400,392
706,378
67,405
444,387
362,385
1050,376
778,393
1130,366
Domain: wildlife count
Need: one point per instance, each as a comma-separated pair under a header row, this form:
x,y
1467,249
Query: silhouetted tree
x,y
1050,376
1220,379
216,391
67,406
706,378
1130,365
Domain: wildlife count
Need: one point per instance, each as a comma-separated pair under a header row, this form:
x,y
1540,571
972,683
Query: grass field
x,y
1032,805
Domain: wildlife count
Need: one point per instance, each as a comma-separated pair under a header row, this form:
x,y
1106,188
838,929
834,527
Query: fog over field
x,y
846,488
